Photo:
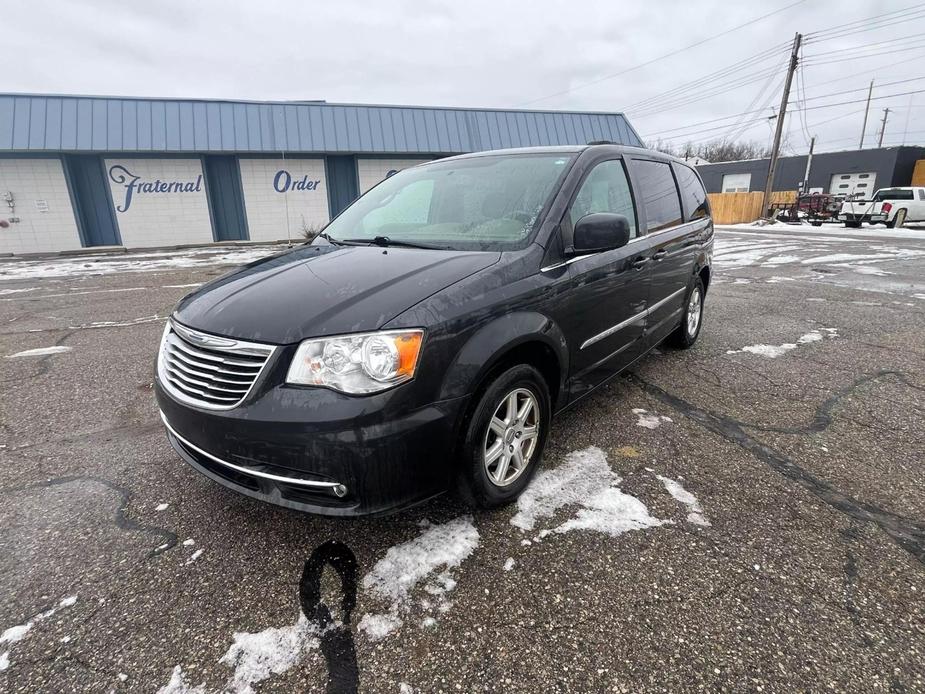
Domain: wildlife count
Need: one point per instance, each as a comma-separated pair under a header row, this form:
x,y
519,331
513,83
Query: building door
x,y
849,184
92,203
343,186
226,200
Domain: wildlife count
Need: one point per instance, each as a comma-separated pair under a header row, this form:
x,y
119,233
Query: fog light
x,y
340,490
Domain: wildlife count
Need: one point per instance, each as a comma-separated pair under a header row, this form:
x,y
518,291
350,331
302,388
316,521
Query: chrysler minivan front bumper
x,y
352,459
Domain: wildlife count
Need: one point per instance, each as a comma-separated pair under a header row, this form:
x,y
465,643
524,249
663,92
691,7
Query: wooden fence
x,y
739,208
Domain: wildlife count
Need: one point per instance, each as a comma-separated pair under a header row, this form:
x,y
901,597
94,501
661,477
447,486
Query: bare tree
x,y
713,151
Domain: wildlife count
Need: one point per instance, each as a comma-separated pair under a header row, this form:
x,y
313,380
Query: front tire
x,y
505,437
686,334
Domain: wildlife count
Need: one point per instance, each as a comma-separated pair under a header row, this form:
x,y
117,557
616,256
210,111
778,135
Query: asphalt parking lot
x,y
748,515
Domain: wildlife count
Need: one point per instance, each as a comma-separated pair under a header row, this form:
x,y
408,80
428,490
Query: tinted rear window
x,y
893,194
659,194
692,193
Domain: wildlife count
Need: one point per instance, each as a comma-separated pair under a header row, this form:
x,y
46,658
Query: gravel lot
x,y
774,478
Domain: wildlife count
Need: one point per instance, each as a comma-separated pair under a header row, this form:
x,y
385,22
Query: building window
x,y
737,183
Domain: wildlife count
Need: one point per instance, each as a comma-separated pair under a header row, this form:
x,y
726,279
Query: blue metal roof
x,y
37,123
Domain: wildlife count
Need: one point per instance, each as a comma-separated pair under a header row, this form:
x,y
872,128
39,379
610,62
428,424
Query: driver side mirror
x,y
600,231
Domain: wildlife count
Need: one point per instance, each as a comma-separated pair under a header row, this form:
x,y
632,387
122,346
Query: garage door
x,y
851,183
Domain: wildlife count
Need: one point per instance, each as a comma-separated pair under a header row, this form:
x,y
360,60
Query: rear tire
x,y
686,334
898,221
503,444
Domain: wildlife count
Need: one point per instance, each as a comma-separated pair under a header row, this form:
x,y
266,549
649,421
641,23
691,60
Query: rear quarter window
x,y
659,194
693,196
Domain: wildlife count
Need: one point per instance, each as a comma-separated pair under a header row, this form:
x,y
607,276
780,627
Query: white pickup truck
x,y
891,206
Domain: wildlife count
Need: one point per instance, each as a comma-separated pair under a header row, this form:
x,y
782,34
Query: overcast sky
x,y
540,54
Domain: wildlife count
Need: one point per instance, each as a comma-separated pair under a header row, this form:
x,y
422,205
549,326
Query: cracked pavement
x,y
808,465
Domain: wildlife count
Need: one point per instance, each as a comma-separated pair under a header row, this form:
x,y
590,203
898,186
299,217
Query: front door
x,y
91,200
223,181
608,290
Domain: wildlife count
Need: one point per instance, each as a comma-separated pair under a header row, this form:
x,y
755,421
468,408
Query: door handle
x,y
658,255
640,263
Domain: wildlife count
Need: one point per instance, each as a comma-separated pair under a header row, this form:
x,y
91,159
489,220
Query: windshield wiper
x,y
385,241
341,242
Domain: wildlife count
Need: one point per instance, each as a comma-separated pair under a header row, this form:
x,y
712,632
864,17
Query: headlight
x,y
357,364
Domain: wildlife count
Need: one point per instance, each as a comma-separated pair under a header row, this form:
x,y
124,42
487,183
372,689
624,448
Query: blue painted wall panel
x,y
129,126
37,125
68,125
21,118
115,133
176,125
53,124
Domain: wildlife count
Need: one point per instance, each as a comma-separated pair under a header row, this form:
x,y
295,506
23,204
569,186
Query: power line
x,y
716,90
711,77
868,21
808,108
662,57
860,57
795,105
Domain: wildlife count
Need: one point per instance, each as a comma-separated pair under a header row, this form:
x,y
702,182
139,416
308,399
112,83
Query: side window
x,y
921,193
659,192
692,193
606,189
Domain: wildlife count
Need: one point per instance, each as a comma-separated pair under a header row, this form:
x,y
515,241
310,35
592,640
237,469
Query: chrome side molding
x,y
632,319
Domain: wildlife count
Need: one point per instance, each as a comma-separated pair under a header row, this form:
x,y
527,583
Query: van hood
x,y
324,290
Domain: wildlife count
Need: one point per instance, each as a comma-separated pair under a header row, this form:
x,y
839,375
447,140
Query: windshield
x,y
892,194
488,203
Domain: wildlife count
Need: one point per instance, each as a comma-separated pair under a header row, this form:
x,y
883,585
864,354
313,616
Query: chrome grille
x,y
209,371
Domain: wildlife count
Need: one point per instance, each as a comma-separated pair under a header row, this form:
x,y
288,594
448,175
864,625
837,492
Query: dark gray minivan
x,y
425,339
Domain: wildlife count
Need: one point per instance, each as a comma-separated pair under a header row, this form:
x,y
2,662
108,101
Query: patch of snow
x,y
182,286
918,296
122,676
272,651
774,351
781,260
178,685
679,493
162,507
428,622
812,336
189,543
509,563
647,420
6,292
150,262
612,512
194,556
816,298
404,688
443,546
585,480
19,632
118,324
41,351
378,626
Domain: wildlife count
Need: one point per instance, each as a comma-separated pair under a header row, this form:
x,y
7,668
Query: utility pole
x,y
866,111
886,113
809,163
785,97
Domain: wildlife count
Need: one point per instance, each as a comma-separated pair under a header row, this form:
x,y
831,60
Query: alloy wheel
x,y
510,441
693,312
